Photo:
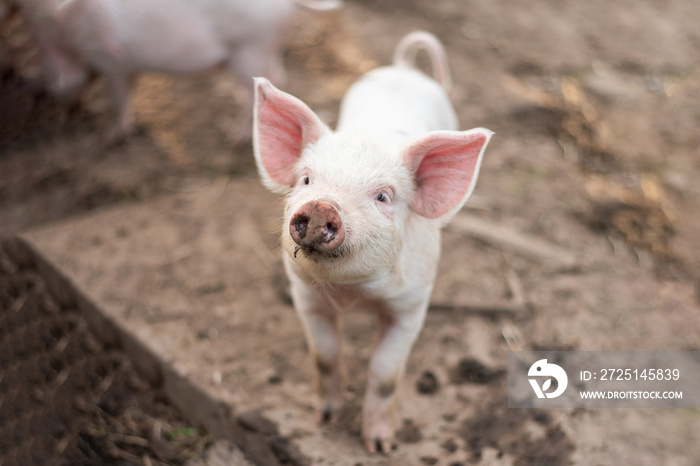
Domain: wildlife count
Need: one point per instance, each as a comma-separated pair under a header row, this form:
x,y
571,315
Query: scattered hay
x,y
643,215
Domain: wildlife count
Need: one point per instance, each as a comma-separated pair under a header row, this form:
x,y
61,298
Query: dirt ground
x,y
68,399
595,107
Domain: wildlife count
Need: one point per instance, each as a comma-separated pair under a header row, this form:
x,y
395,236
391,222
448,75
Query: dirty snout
x,y
317,226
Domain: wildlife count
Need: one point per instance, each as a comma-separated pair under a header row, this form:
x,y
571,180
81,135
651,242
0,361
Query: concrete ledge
x,y
262,445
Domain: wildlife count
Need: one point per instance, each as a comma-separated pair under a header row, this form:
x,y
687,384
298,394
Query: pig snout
x,y
317,226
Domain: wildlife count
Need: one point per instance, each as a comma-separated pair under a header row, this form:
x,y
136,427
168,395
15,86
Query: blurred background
x,y
596,109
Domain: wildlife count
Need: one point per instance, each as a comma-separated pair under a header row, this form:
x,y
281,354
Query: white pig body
x,y
182,37
120,38
363,214
377,103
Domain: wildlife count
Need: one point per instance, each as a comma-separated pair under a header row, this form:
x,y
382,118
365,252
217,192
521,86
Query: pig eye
x,y
381,197
306,180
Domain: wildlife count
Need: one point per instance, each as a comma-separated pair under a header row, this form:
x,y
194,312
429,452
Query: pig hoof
x,y
378,437
379,445
328,415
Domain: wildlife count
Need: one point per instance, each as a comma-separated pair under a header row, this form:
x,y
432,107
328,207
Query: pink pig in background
x,y
363,213
118,39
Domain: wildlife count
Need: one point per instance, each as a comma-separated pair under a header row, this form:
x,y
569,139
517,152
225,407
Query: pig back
x,y
397,100
184,36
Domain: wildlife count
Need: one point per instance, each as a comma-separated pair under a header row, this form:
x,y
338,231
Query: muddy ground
x,y
595,108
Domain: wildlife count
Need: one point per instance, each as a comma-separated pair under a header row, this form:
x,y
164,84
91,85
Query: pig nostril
x,y
301,225
330,231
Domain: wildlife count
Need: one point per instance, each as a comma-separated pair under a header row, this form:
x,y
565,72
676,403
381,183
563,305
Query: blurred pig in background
x,y
117,39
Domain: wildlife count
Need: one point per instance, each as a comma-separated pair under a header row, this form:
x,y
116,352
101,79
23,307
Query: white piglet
x,y
363,213
118,39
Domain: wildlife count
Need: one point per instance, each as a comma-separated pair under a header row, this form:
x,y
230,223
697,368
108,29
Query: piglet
x,y
363,213
120,38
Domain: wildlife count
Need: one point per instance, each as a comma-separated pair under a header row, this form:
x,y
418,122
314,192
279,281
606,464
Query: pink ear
x,y
283,127
446,165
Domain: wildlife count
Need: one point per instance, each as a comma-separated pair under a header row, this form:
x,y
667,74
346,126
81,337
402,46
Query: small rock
x,y
409,433
472,371
450,445
427,383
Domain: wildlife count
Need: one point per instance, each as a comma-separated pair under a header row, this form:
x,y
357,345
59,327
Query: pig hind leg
x,y
65,75
260,59
91,32
324,339
119,84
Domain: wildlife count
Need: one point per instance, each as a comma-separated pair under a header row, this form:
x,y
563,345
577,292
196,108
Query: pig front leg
x,y
398,332
65,76
120,94
110,61
322,329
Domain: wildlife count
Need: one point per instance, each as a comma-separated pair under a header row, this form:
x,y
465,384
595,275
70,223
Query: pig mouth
x,y
311,252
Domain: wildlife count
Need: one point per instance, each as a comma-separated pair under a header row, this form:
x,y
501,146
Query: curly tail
x,y
405,55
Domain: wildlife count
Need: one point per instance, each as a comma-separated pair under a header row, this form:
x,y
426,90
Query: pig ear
x,y
445,166
282,127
